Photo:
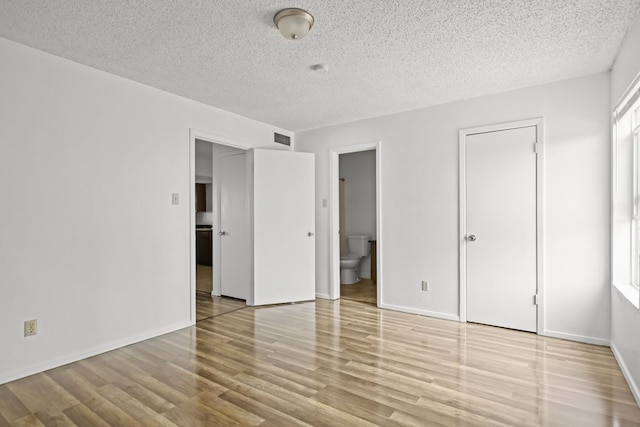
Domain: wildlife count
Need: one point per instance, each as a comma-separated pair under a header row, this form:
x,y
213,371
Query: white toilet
x,y
359,247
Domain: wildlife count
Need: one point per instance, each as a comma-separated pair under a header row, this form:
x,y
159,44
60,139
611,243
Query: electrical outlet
x,y
30,327
425,285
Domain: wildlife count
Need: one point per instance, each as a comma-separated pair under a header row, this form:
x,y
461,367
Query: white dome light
x,y
293,23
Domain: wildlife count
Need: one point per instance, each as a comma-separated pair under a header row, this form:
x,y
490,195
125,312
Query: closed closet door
x,y
501,231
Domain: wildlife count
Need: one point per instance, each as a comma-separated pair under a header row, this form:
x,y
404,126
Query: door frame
x,y
462,242
214,139
334,223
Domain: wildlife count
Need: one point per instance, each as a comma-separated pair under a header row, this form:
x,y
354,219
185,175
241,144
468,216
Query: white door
x,y
284,226
501,266
234,233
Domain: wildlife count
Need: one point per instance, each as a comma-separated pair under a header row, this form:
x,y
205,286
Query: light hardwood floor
x,y
204,278
208,306
330,363
363,291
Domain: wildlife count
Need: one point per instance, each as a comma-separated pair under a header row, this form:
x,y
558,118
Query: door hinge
x,y
535,299
535,147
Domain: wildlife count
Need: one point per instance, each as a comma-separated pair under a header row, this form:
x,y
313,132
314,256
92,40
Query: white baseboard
x,y
6,377
635,388
428,313
323,296
578,338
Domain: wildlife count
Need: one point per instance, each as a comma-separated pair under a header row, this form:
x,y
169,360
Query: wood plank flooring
x,y
363,291
204,278
208,306
330,363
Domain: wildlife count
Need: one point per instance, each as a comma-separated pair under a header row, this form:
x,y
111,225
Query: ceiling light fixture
x,y
293,23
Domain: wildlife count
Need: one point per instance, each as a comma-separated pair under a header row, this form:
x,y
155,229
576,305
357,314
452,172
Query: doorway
x,y
280,204
500,225
207,154
356,169
204,217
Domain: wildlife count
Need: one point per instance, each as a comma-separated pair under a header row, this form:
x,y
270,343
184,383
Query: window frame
x,y
625,195
635,218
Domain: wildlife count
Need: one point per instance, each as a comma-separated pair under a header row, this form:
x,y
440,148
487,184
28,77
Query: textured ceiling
x,y
383,56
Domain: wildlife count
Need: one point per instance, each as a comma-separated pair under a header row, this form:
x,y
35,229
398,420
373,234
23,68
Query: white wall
x,y
203,163
91,245
207,164
359,171
625,318
419,185
627,63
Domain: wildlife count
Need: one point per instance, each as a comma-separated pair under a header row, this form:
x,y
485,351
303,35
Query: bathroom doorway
x,y
355,223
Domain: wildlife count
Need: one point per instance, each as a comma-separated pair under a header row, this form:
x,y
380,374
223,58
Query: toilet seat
x,y
349,256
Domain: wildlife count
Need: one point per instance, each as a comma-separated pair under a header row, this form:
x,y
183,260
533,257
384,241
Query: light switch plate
x,y
175,199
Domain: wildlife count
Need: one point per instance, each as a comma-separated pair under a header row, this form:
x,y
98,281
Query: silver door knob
x,y
222,233
471,237
310,234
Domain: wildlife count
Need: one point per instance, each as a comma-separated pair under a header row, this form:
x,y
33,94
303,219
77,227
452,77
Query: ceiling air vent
x,y
281,139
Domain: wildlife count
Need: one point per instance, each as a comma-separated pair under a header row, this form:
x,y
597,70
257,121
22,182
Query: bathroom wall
x,y
359,172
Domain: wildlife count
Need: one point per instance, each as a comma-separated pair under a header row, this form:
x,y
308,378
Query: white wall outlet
x,y
425,285
30,327
175,199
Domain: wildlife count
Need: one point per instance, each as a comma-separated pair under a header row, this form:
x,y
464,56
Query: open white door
x,y
233,237
283,227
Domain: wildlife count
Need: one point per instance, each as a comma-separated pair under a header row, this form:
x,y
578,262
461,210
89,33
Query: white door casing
x,y
234,231
500,226
283,197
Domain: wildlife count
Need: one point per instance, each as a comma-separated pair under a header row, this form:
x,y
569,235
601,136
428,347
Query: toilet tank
x,y
359,244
